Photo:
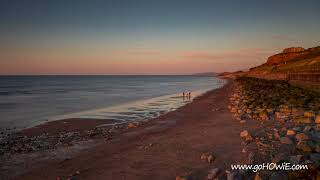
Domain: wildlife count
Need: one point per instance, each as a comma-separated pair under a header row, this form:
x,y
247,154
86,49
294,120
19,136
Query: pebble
x,y
317,127
278,115
309,114
315,157
213,173
264,116
234,175
295,159
297,111
285,140
317,119
307,129
296,128
17,144
243,121
290,132
182,178
302,120
276,135
294,124
257,176
249,138
303,146
244,133
207,157
132,125
302,137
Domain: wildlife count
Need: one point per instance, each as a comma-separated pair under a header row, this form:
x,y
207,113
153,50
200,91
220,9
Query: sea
x,y
26,101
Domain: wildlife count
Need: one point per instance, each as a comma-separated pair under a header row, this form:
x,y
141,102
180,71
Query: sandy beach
x,y
165,147
159,90
235,124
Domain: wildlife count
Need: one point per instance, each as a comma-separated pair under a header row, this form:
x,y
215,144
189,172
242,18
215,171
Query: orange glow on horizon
x,y
130,62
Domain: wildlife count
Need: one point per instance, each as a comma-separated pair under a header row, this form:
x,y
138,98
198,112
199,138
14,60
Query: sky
x,y
43,37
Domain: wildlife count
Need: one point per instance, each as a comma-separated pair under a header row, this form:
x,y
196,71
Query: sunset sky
x,y
148,36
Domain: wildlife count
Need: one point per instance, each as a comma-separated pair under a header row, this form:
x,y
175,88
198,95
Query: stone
x,y
234,175
278,115
285,140
297,112
309,114
248,111
307,129
296,128
213,173
182,178
290,132
249,138
132,125
209,157
276,135
315,158
278,157
302,120
303,146
244,133
302,137
317,119
295,159
316,127
233,110
243,121
216,109
270,110
258,176
317,149
264,116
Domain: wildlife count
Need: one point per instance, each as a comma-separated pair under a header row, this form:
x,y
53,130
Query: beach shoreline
x,y
199,140
76,124
26,103
178,137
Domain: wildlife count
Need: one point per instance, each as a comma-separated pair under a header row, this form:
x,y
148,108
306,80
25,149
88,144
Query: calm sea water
x,y
29,100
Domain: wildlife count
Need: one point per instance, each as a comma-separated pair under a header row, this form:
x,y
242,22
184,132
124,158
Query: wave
x,y
141,110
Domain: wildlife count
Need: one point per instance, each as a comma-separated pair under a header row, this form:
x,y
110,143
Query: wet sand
x,y
163,148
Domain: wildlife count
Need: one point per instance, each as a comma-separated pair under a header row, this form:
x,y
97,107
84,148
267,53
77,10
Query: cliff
x,y
294,64
293,54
